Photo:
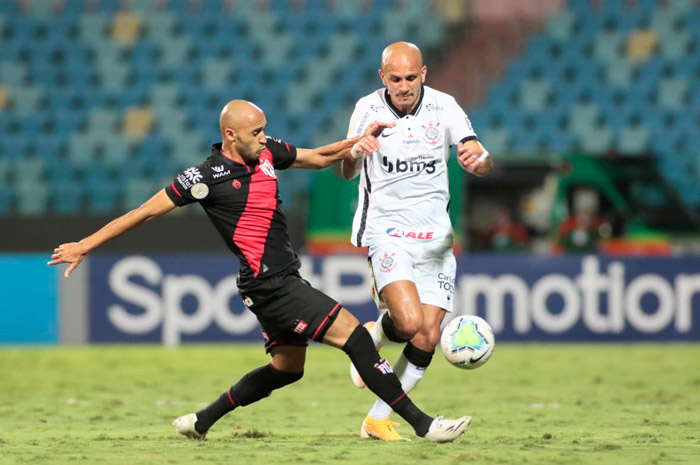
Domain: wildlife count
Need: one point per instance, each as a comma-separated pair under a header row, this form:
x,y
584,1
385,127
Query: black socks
x,y
254,386
381,380
416,356
376,372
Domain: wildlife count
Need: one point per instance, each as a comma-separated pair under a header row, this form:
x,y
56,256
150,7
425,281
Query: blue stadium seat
x,y
67,197
14,147
138,190
32,197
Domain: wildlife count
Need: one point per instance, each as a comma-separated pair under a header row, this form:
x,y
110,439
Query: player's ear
x,y
230,134
381,76
423,72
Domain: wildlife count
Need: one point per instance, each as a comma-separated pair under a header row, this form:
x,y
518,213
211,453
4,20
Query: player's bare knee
x,y
408,328
427,339
432,339
341,329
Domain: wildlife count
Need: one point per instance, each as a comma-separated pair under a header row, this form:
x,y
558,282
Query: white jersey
x,y
404,189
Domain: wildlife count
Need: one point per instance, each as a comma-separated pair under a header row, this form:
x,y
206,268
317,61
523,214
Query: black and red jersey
x,y
243,203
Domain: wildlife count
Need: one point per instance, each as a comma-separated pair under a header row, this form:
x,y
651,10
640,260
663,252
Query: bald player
x,y
402,214
237,187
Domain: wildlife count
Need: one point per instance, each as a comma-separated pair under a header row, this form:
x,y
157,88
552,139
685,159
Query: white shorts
x,y
434,276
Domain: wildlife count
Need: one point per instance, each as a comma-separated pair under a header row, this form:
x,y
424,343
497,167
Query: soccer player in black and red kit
x,y
237,187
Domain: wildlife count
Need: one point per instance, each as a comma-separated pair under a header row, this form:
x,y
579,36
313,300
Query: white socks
x,y
377,333
408,374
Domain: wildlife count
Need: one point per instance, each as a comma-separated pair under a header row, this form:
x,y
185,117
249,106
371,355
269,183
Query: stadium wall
x,y
172,299
29,302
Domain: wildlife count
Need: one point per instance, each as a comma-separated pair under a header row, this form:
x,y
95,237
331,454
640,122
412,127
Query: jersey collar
x,y
400,114
216,152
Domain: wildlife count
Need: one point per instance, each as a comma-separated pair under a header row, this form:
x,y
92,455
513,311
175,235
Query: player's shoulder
x,y
279,148
274,142
212,170
437,97
372,102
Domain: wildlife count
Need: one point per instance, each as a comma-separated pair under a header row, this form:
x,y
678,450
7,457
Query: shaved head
x,y
401,53
242,125
403,74
238,114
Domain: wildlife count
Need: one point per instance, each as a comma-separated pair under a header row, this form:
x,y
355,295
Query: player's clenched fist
x,y
474,158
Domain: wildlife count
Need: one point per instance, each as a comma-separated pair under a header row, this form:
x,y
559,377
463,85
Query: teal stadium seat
x,y
32,196
63,70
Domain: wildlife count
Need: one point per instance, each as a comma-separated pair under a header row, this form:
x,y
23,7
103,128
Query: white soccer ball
x,y
467,342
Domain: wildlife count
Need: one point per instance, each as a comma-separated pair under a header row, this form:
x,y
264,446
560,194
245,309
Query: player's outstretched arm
x,y
474,158
327,155
323,157
73,253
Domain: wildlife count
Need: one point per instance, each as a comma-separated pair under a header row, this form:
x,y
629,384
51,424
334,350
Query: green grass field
x,y
540,404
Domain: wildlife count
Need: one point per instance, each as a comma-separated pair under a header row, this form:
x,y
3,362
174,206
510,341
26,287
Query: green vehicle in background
x,y
584,204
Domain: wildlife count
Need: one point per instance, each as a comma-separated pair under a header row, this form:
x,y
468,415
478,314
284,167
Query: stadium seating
x,y
622,74
96,91
132,90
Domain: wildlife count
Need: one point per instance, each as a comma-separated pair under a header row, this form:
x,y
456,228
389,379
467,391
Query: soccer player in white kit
x,y
402,214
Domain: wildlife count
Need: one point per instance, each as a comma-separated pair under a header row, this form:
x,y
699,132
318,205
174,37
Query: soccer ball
x,y
467,342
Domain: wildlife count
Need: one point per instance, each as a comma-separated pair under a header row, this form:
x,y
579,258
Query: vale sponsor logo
x,y
398,232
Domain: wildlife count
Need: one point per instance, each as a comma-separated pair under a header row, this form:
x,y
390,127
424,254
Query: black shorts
x,y
290,311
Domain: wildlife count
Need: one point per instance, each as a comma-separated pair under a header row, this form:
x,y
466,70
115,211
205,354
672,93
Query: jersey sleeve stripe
x,y
172,184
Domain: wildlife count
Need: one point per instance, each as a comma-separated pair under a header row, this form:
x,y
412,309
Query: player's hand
x,y
478,163
72,252
375,128
369,144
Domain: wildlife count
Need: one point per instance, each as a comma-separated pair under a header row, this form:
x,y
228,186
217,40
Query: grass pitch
x,y
544,403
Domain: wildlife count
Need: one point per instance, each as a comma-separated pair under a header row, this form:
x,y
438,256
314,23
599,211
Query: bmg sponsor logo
x,y
409,166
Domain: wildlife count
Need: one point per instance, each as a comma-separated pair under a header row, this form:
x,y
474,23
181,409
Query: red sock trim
x,y
397,399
